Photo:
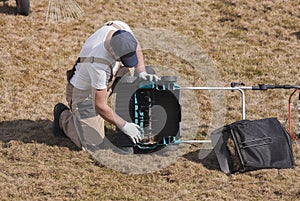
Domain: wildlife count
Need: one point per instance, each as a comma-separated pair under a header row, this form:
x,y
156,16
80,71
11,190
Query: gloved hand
x,y
133,131
150,77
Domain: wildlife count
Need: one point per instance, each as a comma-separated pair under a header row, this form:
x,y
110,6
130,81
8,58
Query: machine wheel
x,y
23,7
128,79
169,79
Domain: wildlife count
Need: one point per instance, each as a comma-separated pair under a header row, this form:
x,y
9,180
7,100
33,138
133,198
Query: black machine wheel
x,y
169,79
23,7
128,79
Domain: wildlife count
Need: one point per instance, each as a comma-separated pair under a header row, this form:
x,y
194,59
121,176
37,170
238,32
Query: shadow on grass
x,y
8,9
206,157
297,34
28,131
40,131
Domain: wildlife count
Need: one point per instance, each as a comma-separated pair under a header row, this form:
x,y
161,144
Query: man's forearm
x,y
104,110
141,65
109,115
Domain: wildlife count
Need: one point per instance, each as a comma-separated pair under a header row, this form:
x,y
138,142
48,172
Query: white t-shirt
x,y
96,75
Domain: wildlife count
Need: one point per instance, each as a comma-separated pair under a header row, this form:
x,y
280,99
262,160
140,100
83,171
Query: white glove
x,y
150,77
133,131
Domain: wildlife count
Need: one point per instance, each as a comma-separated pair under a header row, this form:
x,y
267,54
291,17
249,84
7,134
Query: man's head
x,y
124,45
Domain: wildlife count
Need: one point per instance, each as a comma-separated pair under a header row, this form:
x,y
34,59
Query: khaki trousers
x,y
81,124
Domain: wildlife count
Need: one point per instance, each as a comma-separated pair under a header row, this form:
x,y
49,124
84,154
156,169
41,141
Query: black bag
x,y
250,145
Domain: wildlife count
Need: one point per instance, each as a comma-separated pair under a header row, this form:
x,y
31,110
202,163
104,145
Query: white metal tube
x,y
240,89
216,88
195,141
243,104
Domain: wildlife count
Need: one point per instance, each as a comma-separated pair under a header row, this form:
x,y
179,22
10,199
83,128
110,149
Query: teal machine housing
x,y
155,107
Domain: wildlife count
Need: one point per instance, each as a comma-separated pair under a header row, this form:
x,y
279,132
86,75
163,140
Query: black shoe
x,y
58,109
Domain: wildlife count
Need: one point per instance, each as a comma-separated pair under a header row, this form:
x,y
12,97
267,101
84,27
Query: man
x,y
99,62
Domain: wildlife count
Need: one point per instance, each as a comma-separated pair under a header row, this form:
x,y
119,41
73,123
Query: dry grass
x,y
250,41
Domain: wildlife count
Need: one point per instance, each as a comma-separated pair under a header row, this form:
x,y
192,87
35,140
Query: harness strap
x,y
96,60
114,25
92,60
71,72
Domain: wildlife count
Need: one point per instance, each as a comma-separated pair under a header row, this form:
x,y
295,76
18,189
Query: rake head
x,y
63,10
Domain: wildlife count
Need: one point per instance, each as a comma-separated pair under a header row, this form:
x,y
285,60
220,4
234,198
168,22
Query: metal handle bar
x,y
240,87
266,87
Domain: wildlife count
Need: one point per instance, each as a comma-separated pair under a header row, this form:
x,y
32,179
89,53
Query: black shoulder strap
x,y
71,72
93,60
114,25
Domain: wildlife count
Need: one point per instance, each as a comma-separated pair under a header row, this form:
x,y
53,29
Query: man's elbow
x,y
101,109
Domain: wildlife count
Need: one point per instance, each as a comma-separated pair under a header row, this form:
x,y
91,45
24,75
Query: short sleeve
x,y
99,78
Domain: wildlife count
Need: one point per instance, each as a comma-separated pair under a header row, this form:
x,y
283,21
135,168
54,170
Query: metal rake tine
x,y
59,13
77,10
80,11
63,10
47,14
69,13
72,11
